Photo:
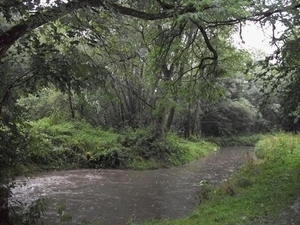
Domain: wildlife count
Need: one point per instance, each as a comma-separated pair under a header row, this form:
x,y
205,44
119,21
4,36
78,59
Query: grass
x,y
57,143
257,192
189,150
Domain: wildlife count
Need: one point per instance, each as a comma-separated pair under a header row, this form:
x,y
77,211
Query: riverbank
x,y
59,144
260,193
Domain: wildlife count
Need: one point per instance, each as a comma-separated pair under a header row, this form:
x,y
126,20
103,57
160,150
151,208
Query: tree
x,y
200,12
280,77
77,45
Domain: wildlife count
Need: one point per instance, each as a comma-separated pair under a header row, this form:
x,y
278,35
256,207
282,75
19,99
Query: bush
x,y
247,140
148,151
228,118
277,147
57,143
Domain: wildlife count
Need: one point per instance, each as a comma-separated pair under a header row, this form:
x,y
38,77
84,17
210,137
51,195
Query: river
x,y
115,196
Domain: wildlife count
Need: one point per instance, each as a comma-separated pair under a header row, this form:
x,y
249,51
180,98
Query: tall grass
x,y
278,147
60,144
57,143
189,150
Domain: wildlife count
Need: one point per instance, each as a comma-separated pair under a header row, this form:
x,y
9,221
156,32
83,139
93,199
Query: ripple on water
x,y
114,196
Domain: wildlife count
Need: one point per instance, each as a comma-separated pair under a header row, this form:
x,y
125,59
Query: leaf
x,y
76,42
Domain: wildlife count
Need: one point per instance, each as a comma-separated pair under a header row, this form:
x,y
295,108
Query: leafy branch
x,y
16,83
9,37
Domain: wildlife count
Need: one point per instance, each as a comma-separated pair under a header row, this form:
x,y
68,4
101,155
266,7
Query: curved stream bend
x,y
115,196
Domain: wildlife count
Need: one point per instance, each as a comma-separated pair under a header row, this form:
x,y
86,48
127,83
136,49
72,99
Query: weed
x,y
61,208
21,213
204,191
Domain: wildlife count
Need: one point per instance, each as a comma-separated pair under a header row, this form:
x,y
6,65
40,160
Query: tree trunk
x,y
71,102
188,123
170,118
159,129
4,209
195,118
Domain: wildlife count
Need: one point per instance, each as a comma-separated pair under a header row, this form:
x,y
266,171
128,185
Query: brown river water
x,y
115,196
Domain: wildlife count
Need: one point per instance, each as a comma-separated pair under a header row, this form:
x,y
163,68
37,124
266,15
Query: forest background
x,y
125,84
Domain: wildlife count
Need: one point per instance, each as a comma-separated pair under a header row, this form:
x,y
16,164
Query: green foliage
x,y
57,143
189,150
148,152
204,191
228,118
143,143
61,209
13,146
277,147
279,75
21,214
45,102
248,140
257,192
128,72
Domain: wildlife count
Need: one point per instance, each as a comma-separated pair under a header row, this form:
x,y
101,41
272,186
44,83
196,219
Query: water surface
x,y
115,196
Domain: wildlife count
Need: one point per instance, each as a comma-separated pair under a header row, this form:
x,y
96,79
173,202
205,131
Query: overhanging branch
x,y
214,56
8,38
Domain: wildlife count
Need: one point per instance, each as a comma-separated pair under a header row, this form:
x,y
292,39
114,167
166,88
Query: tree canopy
x,y
29,15
122,65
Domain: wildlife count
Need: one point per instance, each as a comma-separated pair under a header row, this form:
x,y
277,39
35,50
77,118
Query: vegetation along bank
x,y
257,193
119,84
57,144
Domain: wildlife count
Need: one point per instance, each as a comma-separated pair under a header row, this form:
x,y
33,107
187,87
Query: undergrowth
x,y
257,192
249,140
56,143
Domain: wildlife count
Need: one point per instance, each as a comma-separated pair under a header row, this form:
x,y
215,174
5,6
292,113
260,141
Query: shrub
x,y
56,143
277,147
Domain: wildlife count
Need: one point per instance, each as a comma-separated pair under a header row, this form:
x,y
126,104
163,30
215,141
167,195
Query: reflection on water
x,y
115,196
